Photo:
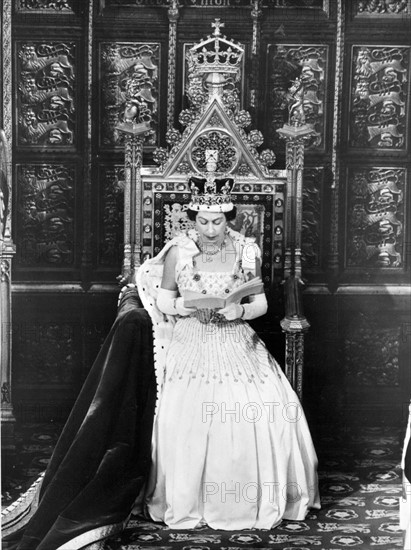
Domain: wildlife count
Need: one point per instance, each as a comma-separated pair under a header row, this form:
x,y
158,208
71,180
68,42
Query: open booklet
x,y
209,301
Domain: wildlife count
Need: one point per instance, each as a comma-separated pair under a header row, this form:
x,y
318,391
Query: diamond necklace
x,y
211,252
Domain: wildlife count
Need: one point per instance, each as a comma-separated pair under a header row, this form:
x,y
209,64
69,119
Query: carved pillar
x,y
333,264
134,138
294,324
256,13
86,255
7,248
7,414
171,69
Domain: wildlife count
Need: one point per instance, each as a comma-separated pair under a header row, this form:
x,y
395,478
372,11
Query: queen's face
x,y
211,226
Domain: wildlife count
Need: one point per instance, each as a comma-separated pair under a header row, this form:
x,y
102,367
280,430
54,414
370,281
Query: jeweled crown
x,y
215,54
210,194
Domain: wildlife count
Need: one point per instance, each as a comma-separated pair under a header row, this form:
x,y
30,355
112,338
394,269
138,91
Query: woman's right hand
x,y
181,309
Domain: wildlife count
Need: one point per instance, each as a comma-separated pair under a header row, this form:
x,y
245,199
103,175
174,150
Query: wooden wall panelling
x,y
130,45
46,234
369,9
46,97
87,127
357,357
314,222
375,232
110,220
48,132
376,201
56,339
52,314
379,94
30,7
284,63
120,62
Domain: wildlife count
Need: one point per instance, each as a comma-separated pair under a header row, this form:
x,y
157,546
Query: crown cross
x,y
217,25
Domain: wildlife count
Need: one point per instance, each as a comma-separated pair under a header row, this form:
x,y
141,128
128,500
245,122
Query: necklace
x,y
211,250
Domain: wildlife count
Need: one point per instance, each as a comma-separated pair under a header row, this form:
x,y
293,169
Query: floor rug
x,y
360,484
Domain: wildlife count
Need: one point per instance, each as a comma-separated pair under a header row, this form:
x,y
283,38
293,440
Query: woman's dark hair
x,y
229,216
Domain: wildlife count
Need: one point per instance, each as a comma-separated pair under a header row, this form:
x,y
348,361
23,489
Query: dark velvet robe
x,y
103,455
407,462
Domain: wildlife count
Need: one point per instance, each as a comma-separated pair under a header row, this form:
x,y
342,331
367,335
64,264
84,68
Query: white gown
x,y
231,445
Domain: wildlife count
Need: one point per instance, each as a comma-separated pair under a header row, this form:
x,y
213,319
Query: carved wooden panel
x,y
312,221
120,3
46,93
45,215
119,62
290,4
371,352
382,8
375,235
111,235
380,76
285,63
46,6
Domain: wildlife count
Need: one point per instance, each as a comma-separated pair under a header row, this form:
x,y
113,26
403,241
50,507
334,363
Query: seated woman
x,y
231,446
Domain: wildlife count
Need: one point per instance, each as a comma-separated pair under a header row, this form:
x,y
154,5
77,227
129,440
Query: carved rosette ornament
x,y
379,97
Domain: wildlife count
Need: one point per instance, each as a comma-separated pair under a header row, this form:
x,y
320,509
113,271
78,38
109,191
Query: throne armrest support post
x,y
294,324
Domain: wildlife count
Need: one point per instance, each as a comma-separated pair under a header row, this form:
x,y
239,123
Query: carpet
x,y
360,485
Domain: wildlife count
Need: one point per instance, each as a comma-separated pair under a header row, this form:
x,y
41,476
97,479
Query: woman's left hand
x,y
232,312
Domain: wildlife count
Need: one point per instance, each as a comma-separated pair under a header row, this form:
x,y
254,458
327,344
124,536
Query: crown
x,y
215,54
210,194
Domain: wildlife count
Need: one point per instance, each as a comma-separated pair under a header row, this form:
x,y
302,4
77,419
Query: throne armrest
x,y
129,295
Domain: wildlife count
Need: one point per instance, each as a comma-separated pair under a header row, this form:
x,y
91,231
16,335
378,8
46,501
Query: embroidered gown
x,y
231,446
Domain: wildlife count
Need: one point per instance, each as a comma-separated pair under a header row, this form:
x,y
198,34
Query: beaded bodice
x,y
217,284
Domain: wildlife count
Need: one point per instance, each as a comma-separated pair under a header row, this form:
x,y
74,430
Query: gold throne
x,y
268,201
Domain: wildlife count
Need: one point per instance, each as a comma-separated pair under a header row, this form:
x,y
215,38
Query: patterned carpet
x,y
360,483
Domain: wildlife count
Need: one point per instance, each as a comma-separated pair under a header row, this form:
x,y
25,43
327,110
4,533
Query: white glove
x,y
167,302
232,312
256,308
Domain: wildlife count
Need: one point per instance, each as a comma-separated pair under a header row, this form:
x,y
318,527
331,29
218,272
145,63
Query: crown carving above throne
x,y
215,55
